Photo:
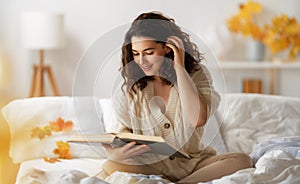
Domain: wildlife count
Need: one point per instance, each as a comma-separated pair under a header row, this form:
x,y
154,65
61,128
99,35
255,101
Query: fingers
x,y
138,150
131,149
124,148
126,151
176,44
175,41
128,146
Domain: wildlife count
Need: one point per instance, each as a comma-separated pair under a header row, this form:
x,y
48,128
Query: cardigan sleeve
x,y
204,84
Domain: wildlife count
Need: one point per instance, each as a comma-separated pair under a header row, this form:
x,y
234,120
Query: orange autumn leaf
x,y
61,125
249,8
51,160
62,150
234,24
285,25
41,133
256,32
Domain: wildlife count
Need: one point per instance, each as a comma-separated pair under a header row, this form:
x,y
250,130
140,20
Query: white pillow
x,y
106,105
249,119
25,114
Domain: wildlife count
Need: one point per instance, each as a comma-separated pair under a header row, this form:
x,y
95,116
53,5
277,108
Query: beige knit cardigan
x,y
142,115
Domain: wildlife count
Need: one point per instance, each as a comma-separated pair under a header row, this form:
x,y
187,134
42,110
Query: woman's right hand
x,y
124,152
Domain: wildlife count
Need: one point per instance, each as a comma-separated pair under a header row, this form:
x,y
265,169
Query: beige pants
x,y
212,168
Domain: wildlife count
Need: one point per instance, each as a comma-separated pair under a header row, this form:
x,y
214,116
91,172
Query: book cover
x,y
156,143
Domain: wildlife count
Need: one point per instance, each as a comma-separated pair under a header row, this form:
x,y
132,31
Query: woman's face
x,y
148,54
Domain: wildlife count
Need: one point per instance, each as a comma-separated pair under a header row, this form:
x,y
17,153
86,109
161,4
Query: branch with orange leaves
x,y
281,34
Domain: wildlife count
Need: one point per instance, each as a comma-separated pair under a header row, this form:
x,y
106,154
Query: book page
x,y
140,137
102,138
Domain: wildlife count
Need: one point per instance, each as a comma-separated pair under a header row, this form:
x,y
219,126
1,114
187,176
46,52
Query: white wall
x,y
85,21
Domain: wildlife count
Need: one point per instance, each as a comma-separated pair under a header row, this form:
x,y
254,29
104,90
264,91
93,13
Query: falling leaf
x,y
62,150
41,133
61,125
51,160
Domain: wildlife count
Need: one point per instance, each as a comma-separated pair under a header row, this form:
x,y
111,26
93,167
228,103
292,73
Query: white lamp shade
x,y
42,31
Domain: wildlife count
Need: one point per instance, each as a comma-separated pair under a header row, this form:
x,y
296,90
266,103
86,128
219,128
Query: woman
x,y
166,92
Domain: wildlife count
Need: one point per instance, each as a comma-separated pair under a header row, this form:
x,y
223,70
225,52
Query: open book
x,y
157,144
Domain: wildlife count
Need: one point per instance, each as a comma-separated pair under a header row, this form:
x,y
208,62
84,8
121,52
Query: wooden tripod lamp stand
x,y
37,85
42,31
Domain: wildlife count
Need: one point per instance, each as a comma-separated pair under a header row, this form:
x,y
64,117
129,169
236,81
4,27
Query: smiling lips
x,y
146,68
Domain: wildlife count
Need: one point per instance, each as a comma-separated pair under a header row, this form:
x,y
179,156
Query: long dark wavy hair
x,y
158,27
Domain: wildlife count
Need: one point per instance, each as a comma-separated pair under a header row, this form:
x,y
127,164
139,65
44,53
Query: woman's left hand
x,y
176,44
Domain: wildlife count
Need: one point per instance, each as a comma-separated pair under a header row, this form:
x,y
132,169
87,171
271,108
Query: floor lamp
x,y
42,31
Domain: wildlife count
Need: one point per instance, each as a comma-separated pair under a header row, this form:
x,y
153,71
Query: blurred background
x,y
86,21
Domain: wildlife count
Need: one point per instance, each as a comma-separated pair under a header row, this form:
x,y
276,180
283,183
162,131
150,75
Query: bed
x,y
265,127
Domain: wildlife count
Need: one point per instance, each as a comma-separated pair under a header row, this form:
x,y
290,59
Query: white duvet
x,y
274,167
276,161
67,171
250,119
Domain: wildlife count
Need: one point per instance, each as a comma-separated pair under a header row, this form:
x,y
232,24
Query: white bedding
x,y
67,171
246,121
276,161
273,167
249,119
76,171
